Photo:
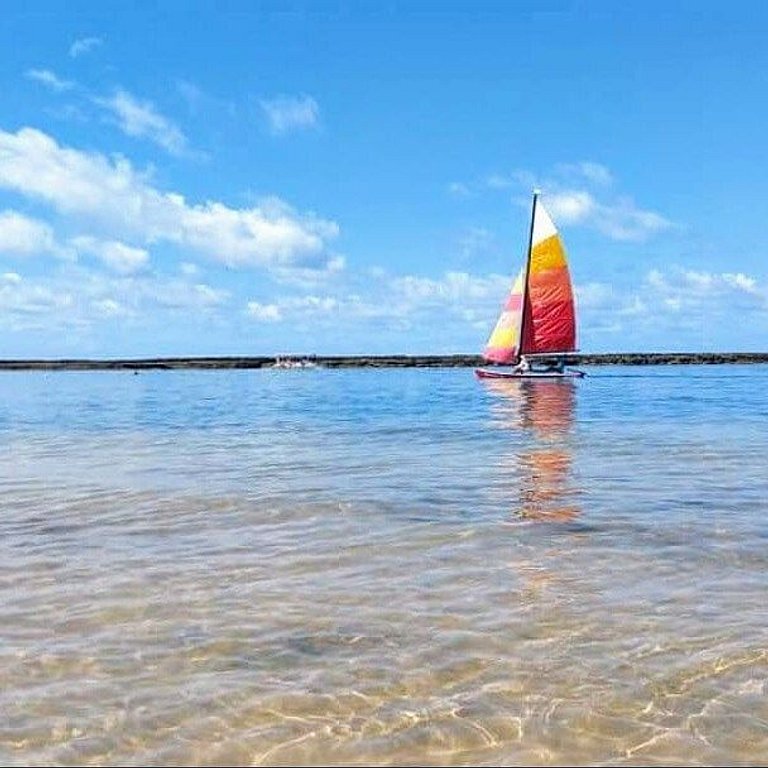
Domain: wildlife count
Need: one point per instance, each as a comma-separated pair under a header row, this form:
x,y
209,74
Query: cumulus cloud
x,y
675,298
265,313
188,268
109,308
623,220
140,119
571,207
619,219
689,287
119,257
296,306
50,80
741,282
290,113
84,45
109,192
579,194
475,241
26,305
400,299
267,233
310,277
451,287
179,294
79,297
595,173
499,181
321,304
593,294
678,303
23,236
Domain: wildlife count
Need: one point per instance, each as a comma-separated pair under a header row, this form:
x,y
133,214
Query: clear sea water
x,y
378,567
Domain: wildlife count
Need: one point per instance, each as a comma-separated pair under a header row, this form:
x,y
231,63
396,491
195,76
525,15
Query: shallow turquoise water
x,y
384,566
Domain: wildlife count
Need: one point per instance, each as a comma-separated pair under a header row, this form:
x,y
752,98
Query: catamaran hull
x,y
484,373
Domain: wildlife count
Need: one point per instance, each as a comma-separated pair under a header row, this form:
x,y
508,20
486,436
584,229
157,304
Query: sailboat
x,y
537,325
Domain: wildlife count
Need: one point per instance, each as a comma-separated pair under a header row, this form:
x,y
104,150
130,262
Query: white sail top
x,y
542,225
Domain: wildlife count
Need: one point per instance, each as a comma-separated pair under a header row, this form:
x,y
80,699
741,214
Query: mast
x,y
527,271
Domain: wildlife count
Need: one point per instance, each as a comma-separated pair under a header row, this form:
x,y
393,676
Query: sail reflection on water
x,y
541,414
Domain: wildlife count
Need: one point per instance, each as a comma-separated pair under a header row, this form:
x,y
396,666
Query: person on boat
x,y
523,366
556,366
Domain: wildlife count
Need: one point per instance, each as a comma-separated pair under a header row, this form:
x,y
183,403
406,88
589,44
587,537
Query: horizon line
x,y
362,360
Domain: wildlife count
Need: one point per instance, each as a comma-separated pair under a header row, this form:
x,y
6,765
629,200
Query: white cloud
x,y
297,307
119,257
23,236
400,300
108,192
656,280
497,181
109,308
452,287
619,219
671,304
594,173
310,277
741,282
50,80
493,181
242,236
695,288
624,221
79,297
475,241
178,294
570,207
265,313
580,194
188,268
150,293
591,295
141,119
84,45
316,304
289,113
25,305
702,281
634,307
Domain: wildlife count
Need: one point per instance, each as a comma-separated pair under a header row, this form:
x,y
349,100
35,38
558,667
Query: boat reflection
x,y
542,414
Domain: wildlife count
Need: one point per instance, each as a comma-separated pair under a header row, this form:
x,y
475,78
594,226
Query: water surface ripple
x,y
376,567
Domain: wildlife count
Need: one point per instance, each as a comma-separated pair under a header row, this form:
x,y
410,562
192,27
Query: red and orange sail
x,y
543,307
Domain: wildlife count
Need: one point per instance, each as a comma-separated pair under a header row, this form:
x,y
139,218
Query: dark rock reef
x,y
373,361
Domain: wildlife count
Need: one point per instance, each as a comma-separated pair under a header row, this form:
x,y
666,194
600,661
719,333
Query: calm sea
x,y
376,567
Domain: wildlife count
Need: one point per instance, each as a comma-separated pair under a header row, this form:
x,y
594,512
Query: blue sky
x,y
350,178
